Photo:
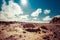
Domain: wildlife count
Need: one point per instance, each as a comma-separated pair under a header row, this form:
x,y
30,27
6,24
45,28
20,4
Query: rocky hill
x,y
55,20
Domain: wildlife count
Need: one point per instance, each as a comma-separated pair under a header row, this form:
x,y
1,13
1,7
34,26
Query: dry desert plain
x,y
29,31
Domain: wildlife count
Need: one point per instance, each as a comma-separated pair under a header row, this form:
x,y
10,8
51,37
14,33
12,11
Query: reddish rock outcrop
x,y
55,20
29,25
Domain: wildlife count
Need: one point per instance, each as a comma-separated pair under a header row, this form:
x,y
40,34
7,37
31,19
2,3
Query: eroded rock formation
x,y
55,20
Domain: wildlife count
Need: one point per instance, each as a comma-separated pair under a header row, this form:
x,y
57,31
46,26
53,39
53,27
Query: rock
x,y
29,25
55,20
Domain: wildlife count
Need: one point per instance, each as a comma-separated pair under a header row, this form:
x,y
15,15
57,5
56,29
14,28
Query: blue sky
x,y
32,10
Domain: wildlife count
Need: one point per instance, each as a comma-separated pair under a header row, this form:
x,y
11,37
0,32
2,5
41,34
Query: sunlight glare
x,y
24,2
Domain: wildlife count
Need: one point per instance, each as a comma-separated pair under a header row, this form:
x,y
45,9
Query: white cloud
x,y
57,16
33,21
24,17
47,11
37,12
2,17
35,18
47,18
9,11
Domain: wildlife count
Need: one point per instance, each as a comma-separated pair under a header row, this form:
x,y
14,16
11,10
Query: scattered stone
x,y
24,32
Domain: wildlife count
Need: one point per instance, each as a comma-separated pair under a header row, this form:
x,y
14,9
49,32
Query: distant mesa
x,y
55,20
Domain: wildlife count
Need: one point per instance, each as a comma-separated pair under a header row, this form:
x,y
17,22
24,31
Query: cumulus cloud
x,y
33,21
2,17
24,17
47,18
35,18
37,12
9,11
47,11
57,16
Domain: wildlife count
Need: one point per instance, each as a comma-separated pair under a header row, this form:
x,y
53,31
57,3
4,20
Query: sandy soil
x,y
16,31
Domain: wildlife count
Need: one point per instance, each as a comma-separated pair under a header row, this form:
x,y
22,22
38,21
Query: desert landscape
x,y
29,19
30,31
